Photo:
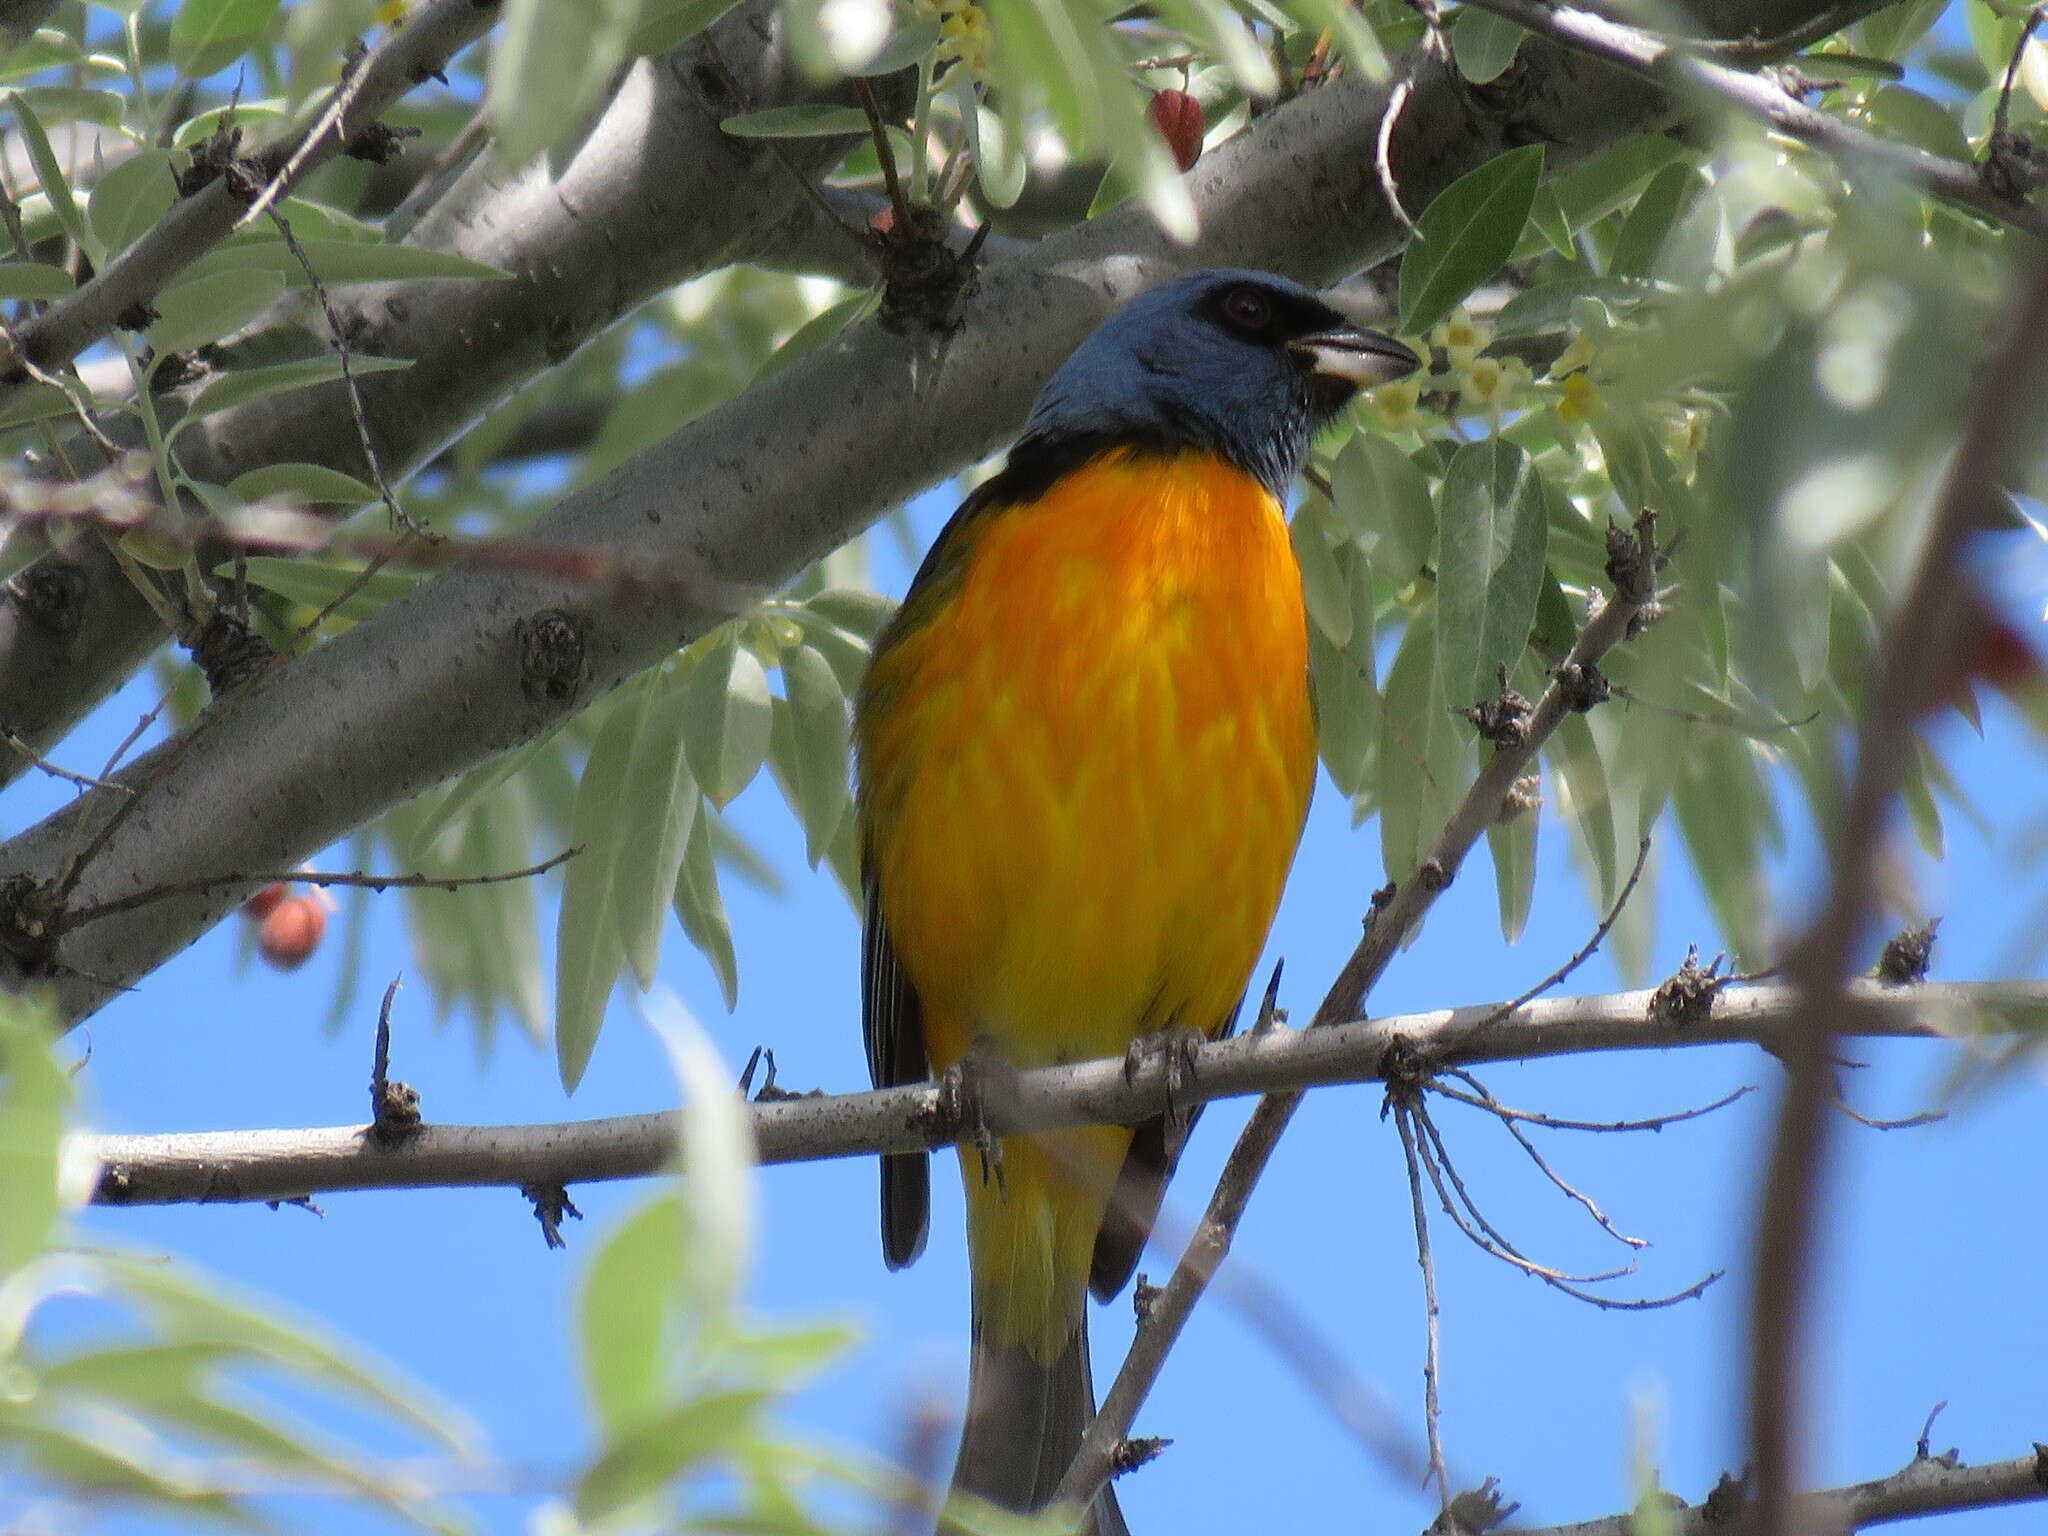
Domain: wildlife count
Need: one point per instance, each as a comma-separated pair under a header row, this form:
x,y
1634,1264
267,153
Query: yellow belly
x,y
1084,776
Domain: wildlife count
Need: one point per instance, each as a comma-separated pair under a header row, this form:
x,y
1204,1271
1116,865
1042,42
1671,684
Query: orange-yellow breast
x,y
1088,784
1085,769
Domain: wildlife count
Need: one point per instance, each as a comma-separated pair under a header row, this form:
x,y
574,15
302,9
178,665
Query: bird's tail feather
x,y
1024,1424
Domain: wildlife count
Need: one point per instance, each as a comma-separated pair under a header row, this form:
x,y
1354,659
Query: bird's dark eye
x,y
1247,309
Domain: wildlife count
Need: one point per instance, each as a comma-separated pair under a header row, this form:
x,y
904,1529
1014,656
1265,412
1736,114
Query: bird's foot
x,y
963,1108
1178,1047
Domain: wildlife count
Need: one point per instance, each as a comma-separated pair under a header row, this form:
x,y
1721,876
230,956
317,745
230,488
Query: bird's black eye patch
x,y
1260,313
1248,310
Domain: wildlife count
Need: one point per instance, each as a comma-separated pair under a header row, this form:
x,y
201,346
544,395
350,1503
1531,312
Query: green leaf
x,y
1466,235
470,791
914,37
1420,762
1597,187
129,199
247,384
1490,541
1347,707
800,120
301,482
589,952
316,583
50,175
136,1373
33,280
1548,226
1484,44
200,127
1891,31
209,35
638,1463
718,1158
1586,803
1548,308
192,1306
1722,812
1904,113
727,734
999,164
1323,587
818,719
668,24
35,1092
661,806
625,1315
1554,623
45,49
205,309
76,104
1513,845
816,331
702,910
1383,498
1650,222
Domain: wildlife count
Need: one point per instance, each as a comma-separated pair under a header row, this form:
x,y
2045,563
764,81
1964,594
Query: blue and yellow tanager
x,y
1085,746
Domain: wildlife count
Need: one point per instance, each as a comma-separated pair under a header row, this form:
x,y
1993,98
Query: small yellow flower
x,y
1462,338
1581,401
1575,358
1397,406
1491,383
964,32
1684,433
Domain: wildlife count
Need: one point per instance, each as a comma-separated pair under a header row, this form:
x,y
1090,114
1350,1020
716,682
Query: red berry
x,y
1178,116
882,221
265,901
292,932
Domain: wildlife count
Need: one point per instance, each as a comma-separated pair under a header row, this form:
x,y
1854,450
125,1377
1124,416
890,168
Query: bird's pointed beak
x,y
1355,359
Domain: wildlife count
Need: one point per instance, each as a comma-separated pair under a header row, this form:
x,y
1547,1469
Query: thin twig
x,y
1558,977
1473,1222
1432,1408
1493,1106
1383,152
1727,719
2001,115
80,916
885,155
56,771
1508,1122
339,337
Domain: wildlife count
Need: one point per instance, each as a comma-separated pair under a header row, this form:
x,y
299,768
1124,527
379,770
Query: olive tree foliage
x,y
345,340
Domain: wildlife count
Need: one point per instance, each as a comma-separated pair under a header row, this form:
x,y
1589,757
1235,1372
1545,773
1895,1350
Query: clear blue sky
x,y
1931,1284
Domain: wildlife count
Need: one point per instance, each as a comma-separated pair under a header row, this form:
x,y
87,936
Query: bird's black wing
x,y
892,1020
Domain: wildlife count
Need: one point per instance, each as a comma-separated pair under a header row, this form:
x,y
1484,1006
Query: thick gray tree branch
x,y
283,1164
196,224
1927,1485
657,193
743,498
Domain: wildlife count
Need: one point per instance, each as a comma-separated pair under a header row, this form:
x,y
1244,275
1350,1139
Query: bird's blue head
x,y
1244,364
